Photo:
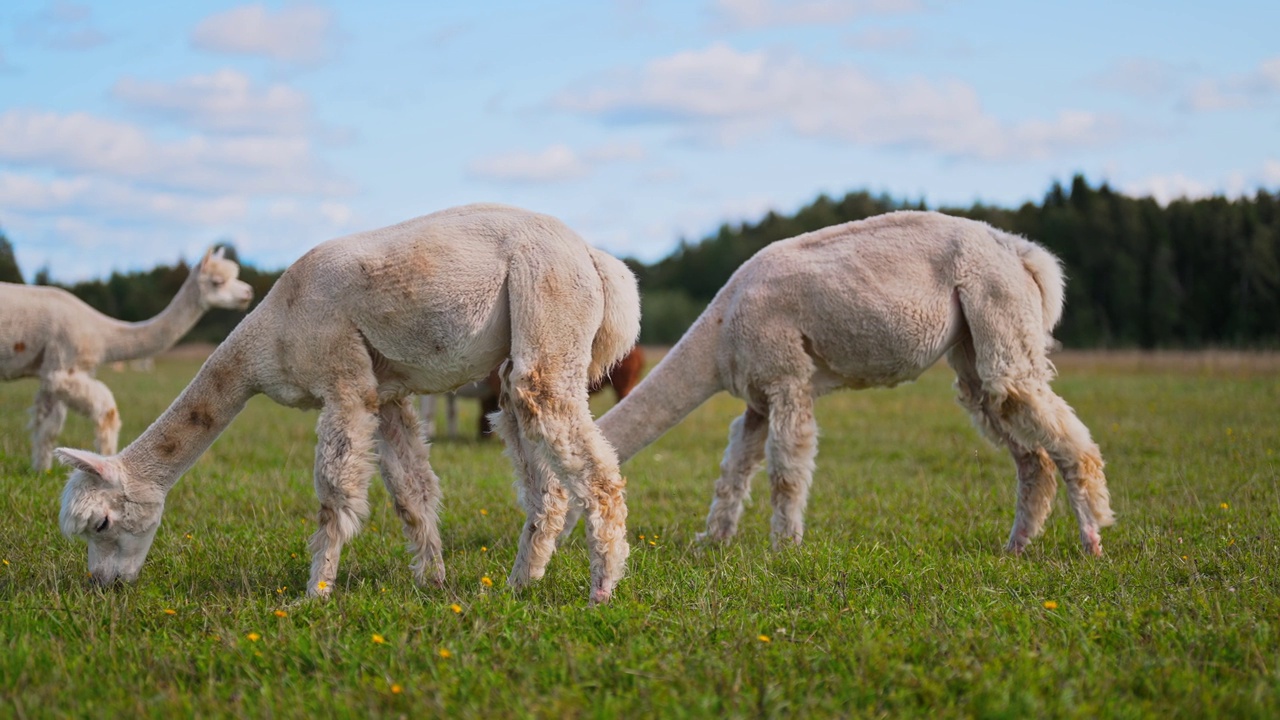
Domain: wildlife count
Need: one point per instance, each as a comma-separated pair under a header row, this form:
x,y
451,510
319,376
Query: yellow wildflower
x,y
483,511
653,543
484,549
170,611
396,689
378,639
281,613
6,562
1224,506
253,637
322,585
486,581
763,638
456,608
1050,605
445,653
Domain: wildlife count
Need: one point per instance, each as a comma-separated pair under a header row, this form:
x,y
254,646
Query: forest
x,y
1191,274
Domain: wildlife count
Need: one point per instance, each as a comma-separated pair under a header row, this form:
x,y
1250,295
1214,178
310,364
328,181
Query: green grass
x,y
899,603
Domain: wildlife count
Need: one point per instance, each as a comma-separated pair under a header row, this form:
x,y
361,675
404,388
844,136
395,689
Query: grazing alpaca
x,y
621,377
48,333
867,304
356,326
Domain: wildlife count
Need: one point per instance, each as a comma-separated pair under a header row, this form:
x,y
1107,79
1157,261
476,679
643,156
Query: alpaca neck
x,y
127,341
185,431
684,379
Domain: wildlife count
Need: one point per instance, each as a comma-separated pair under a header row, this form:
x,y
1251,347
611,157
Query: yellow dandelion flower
x,y
653,543
396,689
378,639
1184,557
293,555
281,613
280,590
486,581
484,511
170,611
1224,506
641,537
6,562
322,585
1050,605
456,608
484,549
188,536
445,653
253,637
763,638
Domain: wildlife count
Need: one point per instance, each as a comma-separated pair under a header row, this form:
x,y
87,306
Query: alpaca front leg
x,y
544,500
790,448
345,437
47,416
742,459
407,474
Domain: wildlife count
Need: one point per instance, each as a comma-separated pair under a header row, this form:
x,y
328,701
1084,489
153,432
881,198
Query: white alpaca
x,y
356,326
867,304
50,334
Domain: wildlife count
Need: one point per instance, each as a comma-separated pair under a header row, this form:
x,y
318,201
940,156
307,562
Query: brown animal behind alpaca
x,y
622,378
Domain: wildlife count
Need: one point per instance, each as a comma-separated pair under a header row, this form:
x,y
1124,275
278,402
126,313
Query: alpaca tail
x,y
620,327
1046,269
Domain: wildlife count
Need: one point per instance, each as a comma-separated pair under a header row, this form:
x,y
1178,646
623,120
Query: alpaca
x,y
50,334
867,304
621,377
357,325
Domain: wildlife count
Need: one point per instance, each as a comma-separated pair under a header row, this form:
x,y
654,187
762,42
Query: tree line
x,y
1190,274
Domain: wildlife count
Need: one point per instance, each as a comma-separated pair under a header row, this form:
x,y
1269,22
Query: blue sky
x,y
133,133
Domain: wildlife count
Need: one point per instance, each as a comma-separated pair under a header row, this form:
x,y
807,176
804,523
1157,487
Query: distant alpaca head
x,y
219,287
117,518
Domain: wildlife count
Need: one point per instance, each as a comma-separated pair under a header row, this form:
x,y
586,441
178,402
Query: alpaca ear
x,y
103,467
220,253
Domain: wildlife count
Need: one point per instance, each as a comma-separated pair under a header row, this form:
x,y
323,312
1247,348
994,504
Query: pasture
x,y
900,602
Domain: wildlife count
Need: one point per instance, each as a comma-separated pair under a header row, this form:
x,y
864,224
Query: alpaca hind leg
x,y
1038,417
48,413
555,420
427,410
345,437
89,397
415,489
790,448
1037,484
742,459
543,498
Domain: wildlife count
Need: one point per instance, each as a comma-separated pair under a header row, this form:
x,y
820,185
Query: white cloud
x,y
64,25
752,14
223,101
1169,187
1260,85
113,200
83,143
721,95
301,34
557,163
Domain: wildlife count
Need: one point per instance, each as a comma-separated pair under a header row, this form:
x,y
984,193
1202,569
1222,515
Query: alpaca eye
x,y
217,282
106,522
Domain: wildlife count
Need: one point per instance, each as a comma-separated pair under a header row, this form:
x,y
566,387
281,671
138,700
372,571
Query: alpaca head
x,y
116,517
219,286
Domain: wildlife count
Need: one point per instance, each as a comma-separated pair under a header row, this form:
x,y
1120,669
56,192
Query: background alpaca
x,y
357,325
621,377
50,334
866,304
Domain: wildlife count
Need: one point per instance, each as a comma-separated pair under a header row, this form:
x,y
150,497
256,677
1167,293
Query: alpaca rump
x,y
49,334
868,304
357,325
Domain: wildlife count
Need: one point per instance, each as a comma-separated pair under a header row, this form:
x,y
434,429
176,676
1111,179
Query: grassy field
x,y
899,603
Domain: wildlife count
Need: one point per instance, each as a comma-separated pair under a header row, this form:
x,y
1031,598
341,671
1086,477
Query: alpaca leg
x,y
406,472
427,404
1037,483
1037,417
742,459
88,396
554,418
345,436
791,447
47,416
543,498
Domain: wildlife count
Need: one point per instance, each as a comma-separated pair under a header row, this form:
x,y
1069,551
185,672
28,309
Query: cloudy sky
x,y
136,132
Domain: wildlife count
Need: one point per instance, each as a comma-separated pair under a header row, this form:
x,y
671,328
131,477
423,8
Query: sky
x,y
136,133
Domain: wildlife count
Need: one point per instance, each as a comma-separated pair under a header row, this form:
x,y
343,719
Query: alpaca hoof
x,y
1017,546
786,542
601,596
1092,542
